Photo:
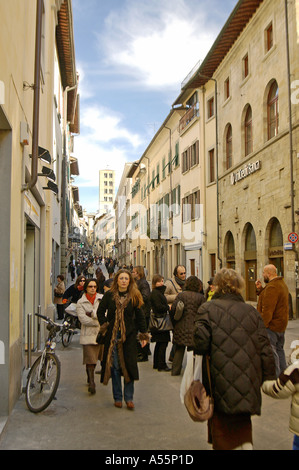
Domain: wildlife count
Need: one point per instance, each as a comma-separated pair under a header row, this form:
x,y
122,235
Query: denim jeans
x,y
277,343
116,381
296,442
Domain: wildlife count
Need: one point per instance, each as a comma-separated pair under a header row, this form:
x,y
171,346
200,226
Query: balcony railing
x,y
188,117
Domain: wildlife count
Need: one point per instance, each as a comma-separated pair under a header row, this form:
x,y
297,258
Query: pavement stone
x,y
78,421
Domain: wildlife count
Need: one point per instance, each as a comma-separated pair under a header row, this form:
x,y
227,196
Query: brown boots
x,y
90,378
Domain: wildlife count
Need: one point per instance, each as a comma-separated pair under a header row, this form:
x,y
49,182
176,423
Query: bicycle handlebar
x,y
47,319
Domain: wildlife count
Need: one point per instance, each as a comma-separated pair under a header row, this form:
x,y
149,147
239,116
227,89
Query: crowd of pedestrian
x,y
244,345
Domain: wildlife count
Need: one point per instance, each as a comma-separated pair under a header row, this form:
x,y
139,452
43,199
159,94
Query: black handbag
x,y
157,323
102,333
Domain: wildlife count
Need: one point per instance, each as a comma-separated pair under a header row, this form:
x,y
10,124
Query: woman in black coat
x,y
184,327
120,311
75,291
159,306
144,289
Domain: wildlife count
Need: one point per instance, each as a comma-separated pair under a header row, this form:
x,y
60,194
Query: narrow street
x,y
77,421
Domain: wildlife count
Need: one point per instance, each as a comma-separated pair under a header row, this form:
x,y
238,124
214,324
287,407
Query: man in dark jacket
x,y
273,305
233,335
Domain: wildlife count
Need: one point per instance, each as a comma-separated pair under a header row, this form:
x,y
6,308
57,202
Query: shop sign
x,y
246,171
288,246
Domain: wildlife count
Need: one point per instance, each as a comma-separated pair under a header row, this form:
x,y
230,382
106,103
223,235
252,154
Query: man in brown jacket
x,y
273,305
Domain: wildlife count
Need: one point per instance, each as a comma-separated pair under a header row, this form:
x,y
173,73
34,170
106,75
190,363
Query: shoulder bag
x,y
162,323
199,405
179,309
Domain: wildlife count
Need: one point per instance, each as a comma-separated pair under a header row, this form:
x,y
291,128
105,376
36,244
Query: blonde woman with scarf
x,y
87,307
121,310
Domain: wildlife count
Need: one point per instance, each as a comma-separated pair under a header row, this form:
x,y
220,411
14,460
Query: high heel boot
x,y
91,384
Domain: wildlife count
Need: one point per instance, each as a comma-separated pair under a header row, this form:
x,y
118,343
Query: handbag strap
x,y
208,370
209,373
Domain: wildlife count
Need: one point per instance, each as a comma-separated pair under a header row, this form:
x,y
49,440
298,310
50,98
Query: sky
x,y
132,56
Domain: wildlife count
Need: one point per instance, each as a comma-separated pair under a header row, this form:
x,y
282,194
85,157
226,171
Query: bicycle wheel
x,y
42,382
66,337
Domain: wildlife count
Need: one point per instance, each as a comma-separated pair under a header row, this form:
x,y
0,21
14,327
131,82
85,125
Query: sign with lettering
x,y
245,172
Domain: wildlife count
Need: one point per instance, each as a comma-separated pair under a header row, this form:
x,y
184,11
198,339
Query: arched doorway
x,y
230,251
275,240
250,262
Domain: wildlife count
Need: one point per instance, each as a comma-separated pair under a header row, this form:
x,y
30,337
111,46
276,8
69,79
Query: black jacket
x,y
145,291
73,294
159,306
233,334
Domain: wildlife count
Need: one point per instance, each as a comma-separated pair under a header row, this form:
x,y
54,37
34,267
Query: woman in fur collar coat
x,y
87,307
120,309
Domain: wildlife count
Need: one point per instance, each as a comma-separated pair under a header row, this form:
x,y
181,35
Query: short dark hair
x,y
193,283
87,282
60,276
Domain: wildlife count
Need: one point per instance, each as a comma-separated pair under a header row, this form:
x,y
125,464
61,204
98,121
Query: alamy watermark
x,y
159,222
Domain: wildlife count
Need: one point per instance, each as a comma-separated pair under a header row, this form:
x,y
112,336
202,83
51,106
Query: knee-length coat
x,y
134,319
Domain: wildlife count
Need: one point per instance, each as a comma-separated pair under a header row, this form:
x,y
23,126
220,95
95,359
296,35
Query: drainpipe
x,y
291,153
217,166
36,101
290,117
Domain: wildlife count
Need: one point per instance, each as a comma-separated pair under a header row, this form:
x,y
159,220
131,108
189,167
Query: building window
x,y
176,158
194,154
210,108
191,207
226,89
272,111
164,167
158,174
190,157
176,200
211,165
269,37
229,147
185,161
245,67
248,131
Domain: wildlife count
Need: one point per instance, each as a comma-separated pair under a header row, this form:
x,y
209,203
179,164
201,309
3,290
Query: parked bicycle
x,y
44,376
70,325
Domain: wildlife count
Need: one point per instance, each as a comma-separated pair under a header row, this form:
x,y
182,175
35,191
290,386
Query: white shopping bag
x,y
72,309
193,371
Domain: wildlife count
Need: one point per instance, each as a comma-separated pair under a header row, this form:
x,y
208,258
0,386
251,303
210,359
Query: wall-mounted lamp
x,y
44,155
52,187
47,172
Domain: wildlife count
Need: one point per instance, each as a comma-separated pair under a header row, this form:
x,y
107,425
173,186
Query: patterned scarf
x,y
121,302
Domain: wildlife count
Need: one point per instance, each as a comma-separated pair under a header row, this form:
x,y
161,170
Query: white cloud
x,y
157,43
104,125
94,156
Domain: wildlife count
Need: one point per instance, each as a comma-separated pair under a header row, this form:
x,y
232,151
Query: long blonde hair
x,y
133,290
